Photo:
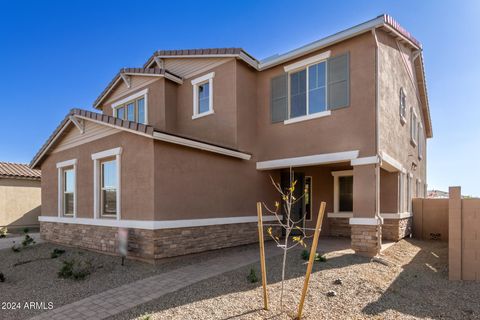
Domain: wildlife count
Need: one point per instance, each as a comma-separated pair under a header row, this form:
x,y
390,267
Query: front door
x,y
298,209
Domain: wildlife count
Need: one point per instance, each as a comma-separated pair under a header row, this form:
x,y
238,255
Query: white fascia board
x,y
366,221
130,97
51,142
316,45
203,78
106,93
243,56
200,145
308,160
365,161
305,62
155,225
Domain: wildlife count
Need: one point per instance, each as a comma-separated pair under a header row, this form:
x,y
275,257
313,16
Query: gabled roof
x,y
154,72
132,127
18,170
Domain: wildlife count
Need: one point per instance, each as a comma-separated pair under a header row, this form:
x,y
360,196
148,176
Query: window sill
x,y
308,117
200,115
108,216
340,214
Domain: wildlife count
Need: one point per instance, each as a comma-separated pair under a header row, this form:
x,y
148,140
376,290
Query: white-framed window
x,y
133,108
343,191
421,141
308,198
107,183
401,192
413,127
67,188
203,95
403,106
409,192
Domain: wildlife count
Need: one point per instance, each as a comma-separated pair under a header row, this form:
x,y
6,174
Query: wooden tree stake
x,y
311,259
262,255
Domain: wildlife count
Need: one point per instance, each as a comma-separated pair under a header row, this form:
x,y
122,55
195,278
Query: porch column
x,y
365,224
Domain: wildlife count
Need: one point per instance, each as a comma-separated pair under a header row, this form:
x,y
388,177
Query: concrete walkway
x,y
7,243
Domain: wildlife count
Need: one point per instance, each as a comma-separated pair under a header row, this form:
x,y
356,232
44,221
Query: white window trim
x,y
401,192
421,140
304,65
135,96
413,127
336,191
409,192
97,157
311,200
60,170
196,83
403,119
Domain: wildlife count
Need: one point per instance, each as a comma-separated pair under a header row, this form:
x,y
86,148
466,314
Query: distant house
x,y
20,195
438,194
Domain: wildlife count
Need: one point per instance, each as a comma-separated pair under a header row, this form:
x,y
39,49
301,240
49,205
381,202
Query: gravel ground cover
x,y
37,281
413,286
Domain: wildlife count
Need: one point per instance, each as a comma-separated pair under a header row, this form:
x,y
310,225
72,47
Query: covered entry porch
x,y
362,195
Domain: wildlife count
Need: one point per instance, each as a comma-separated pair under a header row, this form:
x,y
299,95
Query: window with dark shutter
x,y
279,98
338,81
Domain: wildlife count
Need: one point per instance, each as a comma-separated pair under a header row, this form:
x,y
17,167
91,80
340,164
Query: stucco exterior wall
x,y
137,178
395,136
20,201
350,128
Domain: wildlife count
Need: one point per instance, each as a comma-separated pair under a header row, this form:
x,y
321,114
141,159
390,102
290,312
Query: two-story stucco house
x,y
182,148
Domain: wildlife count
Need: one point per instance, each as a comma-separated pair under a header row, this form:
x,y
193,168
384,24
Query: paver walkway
x,y
114,301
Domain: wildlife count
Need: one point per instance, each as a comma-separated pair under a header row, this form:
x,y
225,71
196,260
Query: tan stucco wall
x,y
351,128
395,136
20,201
430,216
388,191
137,178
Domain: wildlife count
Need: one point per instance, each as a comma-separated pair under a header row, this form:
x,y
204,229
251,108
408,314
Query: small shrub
x,y
27,241
318,257
145,317
3,232
15,248
252,277
56,253
26,230
2,277
77,270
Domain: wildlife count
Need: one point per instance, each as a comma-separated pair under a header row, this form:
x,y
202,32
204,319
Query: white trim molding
x,y
60,187
96,157
311,160
207,78
366,221
340,215
138,95
390,164
155,225
400,215
365,161
305,62
308,117
336,187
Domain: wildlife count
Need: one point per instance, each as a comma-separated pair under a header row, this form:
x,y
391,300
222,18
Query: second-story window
x,y
132,108
203,95
403,106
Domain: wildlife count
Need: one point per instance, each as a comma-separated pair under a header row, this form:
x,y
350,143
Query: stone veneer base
x,y
152,244
339,227
396,229
365,240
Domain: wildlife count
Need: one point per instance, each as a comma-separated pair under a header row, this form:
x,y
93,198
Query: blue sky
x,y
56,55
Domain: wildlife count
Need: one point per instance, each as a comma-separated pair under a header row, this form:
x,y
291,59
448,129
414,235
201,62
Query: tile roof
x,y
130,71
18,170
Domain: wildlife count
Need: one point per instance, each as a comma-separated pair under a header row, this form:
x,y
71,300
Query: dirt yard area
x,y
414,286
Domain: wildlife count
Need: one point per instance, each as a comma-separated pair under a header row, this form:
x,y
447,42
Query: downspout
x,y
377,144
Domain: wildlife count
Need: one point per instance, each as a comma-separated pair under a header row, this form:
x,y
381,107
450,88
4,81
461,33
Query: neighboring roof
x,y
155,72
132,127
18,170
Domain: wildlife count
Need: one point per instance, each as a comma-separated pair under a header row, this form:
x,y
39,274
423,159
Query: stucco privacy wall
x,y
20,201
464,235
430,219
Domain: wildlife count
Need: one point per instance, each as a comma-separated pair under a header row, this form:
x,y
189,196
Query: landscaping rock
x,y
338,281
331,293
